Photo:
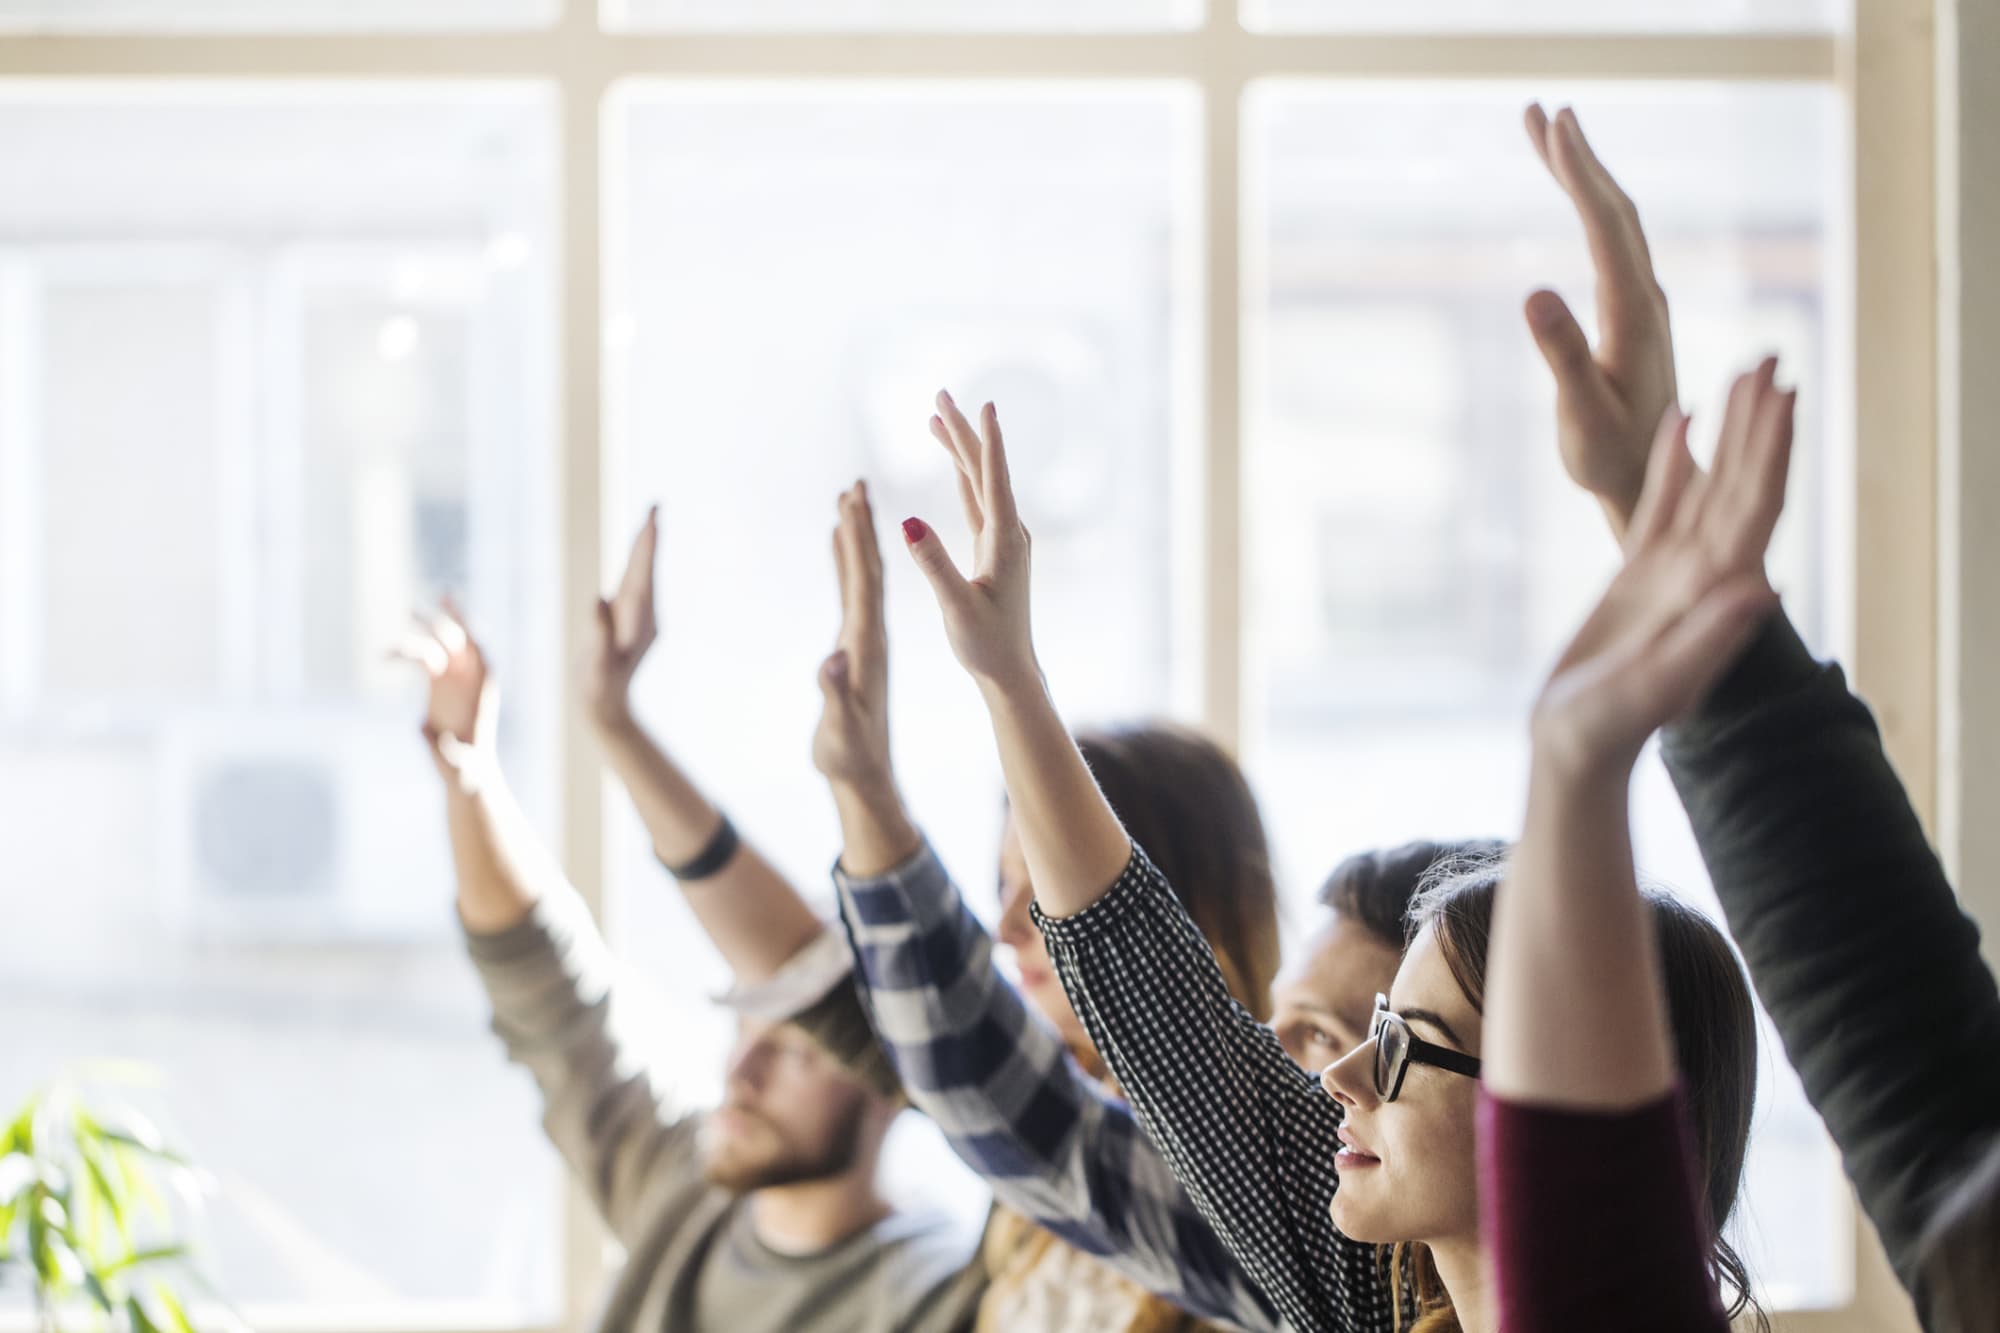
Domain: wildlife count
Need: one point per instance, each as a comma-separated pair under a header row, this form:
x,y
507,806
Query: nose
x,y
747,1064
1350,1080
1017,928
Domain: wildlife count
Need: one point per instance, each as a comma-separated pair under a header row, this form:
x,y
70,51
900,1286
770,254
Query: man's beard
x,y
789,1165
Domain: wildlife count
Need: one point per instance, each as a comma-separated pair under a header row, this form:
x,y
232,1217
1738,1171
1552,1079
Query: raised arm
x,y
757,919
997,1080
1610,399
547,972
1572,951
1249,1134
1577,1046
1851,932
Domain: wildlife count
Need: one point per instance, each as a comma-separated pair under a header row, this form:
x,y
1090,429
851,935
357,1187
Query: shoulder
x,y
928,1271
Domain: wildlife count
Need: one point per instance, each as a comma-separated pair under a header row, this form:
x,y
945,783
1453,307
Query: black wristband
x,y
719,852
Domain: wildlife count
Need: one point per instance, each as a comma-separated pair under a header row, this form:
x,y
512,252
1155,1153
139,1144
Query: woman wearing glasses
x,y
1287,1174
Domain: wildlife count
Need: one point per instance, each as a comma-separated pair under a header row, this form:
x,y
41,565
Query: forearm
x,y
1575,1011
1850,930
876,831
1075,847
754,915
1205,1079
503,867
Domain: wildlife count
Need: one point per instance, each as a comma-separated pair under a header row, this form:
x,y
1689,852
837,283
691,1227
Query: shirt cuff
x,y
1776,663
1139,881
808,976
548,924
917,890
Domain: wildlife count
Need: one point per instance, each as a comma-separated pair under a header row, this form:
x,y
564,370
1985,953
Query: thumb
x,y
833,676
1701,647
607,634
1561,339
935,562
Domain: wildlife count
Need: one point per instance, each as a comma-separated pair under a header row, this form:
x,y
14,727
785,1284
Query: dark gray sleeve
x,y
1853,936
549,980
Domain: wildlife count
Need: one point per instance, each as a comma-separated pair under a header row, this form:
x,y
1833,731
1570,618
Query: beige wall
x,y
1969,451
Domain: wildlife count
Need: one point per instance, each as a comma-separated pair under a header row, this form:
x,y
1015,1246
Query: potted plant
x,y
87,1216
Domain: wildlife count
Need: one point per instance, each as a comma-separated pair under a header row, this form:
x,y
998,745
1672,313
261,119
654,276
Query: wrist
x,y
1025,690
1571,771
611,719
874,797
877,833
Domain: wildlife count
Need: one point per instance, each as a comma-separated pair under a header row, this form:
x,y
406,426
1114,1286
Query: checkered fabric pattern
x,y
1054,1145
1250,1134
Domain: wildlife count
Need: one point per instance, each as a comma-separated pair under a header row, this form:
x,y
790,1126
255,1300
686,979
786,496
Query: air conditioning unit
x,y
284,826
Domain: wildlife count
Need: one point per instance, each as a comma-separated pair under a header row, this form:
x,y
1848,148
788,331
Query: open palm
x,y
851,743
625,628
1692,590
1610,399
986,615
462,710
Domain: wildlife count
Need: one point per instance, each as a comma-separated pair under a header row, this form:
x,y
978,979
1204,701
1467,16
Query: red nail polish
x,y
914,530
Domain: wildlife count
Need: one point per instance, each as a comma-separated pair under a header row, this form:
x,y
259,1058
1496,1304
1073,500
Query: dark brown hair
x,y
1375,888
1185,801
1715,1050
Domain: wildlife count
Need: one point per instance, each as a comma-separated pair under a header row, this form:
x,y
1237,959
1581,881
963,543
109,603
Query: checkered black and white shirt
x,y
1054,1145
1248,1133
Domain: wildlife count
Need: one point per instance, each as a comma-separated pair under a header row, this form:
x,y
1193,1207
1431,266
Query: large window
x,y
312,311
277,373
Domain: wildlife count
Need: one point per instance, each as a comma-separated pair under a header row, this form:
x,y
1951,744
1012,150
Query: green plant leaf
x,y
20,1136
141,1321
159,1254
17,1174
108,1186
176,1315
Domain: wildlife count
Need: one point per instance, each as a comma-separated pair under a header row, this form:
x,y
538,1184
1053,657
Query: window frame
x,y
1883,66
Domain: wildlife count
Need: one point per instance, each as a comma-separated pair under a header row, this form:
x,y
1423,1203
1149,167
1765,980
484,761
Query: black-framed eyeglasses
x,y
1397,1048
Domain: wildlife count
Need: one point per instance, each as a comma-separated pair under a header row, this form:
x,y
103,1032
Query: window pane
x,y
906,15
272,15
797,273
1418,557
1546,15
282,374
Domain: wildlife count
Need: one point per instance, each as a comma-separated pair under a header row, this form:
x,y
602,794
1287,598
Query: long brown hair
x,y
1185,801
1715,1050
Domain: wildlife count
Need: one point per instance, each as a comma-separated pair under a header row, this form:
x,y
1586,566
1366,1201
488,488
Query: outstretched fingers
x,y
1668,473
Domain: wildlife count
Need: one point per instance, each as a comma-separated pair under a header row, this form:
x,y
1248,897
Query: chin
x,y
1357,1221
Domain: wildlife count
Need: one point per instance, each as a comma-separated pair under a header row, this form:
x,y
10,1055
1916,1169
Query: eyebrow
x,y
1426,1016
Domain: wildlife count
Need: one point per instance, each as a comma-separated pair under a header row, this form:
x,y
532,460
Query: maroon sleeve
x,y
1594,1220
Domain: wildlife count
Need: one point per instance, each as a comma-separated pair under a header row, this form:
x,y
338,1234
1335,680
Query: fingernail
x,y
944,396
914,530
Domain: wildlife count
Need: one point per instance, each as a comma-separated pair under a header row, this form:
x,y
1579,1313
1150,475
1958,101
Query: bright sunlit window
x,y
292,342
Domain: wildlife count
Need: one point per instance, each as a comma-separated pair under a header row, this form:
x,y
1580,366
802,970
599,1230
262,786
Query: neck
x,y
1461,1266
815,1215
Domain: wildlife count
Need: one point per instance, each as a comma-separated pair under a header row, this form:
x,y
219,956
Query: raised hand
x,y
625,627
462,713
985,616
1690,595
851,744
1608,400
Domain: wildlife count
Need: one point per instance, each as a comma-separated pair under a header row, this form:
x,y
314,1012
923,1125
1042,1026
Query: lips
x,y
1353,1153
